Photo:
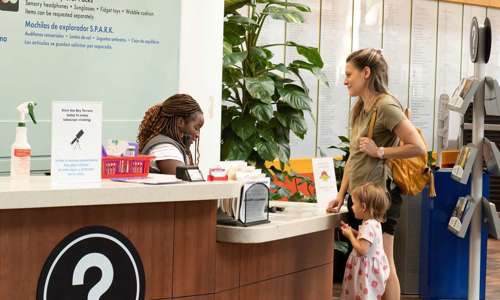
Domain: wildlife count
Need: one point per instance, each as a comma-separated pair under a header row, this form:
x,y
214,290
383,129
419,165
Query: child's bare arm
x,y
362,246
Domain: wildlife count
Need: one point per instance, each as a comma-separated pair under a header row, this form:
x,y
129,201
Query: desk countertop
x,y
39,192
297,219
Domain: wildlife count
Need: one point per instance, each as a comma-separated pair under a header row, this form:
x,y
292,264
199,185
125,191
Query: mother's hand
x,y
368,146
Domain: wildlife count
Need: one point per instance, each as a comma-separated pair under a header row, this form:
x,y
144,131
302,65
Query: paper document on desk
x,y
325,182
152,179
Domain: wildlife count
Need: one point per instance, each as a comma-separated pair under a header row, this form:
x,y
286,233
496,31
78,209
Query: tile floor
x,y
492,274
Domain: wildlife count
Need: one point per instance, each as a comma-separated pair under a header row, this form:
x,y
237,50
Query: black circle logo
x,y
92,263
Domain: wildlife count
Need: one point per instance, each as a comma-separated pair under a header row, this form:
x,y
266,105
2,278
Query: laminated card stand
x,y
483,92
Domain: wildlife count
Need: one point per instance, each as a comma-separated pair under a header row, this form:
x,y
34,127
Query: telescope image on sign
x,y
76,141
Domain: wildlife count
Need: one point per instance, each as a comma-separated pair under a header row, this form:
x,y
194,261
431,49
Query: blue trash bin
x,y
444,257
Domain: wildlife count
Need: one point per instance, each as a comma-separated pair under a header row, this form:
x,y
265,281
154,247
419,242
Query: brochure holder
x,y
463,95
465,161
462,215
250,209
491,156
491,97
491,216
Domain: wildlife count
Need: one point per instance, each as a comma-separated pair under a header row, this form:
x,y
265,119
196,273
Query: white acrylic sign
x,y
324,181
76,142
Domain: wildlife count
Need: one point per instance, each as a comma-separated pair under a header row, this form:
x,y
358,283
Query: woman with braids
x,y
167,132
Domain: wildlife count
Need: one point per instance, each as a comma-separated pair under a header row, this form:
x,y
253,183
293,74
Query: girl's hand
x,y
368,146
346,230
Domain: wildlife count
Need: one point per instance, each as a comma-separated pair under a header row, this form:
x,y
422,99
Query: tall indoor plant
x,y
263,101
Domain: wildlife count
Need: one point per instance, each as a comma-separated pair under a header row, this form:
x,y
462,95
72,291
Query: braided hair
x,y
162,119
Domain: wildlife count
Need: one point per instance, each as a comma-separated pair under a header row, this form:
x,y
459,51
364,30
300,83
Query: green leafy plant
x,y
280,192
263,101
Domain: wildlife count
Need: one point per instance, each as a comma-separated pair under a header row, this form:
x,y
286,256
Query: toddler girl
x,y
367,267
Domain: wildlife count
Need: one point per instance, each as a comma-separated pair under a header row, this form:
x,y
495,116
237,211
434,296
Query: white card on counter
x,y
324,181
76,142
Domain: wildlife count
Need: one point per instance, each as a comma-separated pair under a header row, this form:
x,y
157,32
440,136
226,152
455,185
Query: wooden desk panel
x,y
264,261
311,284
28,236
228,295
194,248
227,267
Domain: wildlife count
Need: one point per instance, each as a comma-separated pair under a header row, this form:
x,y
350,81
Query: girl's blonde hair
x,y
379,78
374,198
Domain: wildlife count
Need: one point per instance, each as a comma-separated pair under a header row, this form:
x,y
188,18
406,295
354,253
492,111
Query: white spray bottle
x,y
20,155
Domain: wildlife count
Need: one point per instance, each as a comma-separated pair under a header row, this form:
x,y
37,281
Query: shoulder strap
x,y
373,117
163,139
373,120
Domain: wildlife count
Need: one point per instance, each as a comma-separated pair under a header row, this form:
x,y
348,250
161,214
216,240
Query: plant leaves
x,y
299,6
231,75
228,48
260,87
233,148
281,68
285,14
234,58
262,112
295,96
267,150
233,5
300,64
256,52
310,53
226,93
228,114
234,33
266,132
237,19
320,75
244,127
298,125
344,139
284,152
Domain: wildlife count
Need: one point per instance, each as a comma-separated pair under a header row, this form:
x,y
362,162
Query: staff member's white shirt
x,y
165,152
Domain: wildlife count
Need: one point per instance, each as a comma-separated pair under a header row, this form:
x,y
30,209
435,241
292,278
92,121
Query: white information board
x,y
396,46
423,66
76,142
333,112
448,64
117,51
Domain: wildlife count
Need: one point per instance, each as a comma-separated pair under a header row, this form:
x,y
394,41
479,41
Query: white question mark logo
x,y
94,260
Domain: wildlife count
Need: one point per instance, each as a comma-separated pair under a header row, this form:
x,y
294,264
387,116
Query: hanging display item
x,y
461,216
463,95
491,156
491,97
463,166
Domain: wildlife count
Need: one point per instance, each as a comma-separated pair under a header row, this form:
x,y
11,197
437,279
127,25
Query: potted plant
x,y
263,102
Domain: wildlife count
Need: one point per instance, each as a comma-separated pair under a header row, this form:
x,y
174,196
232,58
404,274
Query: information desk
x,y
132,241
